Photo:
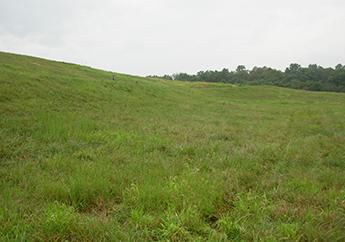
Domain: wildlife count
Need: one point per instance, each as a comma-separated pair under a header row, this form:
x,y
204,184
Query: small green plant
x,y
230,227
289,230
172,227
140,219
59,220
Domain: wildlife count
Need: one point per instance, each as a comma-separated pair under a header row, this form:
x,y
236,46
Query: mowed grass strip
x,y
86,158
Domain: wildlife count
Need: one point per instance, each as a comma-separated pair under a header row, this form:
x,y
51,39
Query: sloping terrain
x,y
87,158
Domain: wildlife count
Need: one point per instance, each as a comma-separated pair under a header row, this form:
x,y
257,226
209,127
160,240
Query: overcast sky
x,y
167,36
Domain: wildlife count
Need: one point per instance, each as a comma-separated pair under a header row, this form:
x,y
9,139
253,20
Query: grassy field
x,y
86,158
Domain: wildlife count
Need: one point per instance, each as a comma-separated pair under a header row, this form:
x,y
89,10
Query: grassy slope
x,y
83,157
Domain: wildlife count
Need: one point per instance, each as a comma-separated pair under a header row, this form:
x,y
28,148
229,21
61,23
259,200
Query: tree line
x,y
313,77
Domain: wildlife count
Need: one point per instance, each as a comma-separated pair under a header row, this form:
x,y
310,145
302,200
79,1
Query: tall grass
x,y
86,158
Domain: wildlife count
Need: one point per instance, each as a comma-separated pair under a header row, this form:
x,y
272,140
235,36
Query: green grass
x,y
86,158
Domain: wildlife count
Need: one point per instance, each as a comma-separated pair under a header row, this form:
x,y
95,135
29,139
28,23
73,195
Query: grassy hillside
x,y
86,158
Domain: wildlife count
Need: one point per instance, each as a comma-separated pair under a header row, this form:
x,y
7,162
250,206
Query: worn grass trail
x,y
86,158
